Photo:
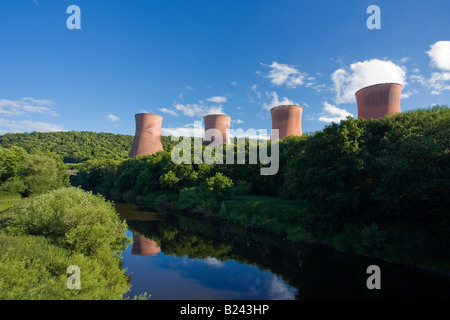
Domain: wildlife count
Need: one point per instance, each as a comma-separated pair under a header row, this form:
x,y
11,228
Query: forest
x,y
378,188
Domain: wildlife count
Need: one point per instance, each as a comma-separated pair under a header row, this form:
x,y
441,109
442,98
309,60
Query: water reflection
x,y
144,247
182,257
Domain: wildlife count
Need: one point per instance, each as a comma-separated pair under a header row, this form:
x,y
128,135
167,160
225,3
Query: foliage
x,y
75,147
26,175
45,235
73,219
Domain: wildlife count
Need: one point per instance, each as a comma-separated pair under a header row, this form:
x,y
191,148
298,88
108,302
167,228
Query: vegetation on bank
x,y
47,226
374,187
43,236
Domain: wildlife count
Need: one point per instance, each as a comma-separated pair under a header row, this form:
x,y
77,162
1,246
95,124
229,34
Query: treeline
x,y
73,146
378,187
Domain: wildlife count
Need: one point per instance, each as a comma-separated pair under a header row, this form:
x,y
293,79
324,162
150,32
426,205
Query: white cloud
x,y
440,58
26,106
213,262
189,130
283,74
112,118
404,60
440,55
333,113
27,126
217,99
361,74
408,94
275,102
439,82
198,109
171,112
238,121
256,91
280,290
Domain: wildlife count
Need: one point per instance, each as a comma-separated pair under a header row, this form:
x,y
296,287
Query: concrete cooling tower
x,y
220,122
378,100
288,120
144,247
147,139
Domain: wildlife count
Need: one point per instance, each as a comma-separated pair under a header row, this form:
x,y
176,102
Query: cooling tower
x,y
378,100
144,247
288,120
147,139
220,122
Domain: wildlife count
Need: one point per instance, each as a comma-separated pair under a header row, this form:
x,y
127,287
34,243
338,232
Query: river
x,y
176,257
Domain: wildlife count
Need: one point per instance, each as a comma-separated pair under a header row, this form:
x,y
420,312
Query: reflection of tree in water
x,y
189,236
318,272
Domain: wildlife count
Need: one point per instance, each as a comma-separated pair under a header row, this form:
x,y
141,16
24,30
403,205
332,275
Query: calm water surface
x,y
177,257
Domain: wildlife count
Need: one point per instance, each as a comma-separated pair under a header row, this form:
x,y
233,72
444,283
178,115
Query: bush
x,y
47,234
373,238
73,219
32,268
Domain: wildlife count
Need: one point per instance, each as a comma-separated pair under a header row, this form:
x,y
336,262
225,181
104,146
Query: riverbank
x,y
42,236
290,219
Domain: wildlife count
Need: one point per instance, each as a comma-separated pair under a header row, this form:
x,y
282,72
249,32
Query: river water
x,y
175,257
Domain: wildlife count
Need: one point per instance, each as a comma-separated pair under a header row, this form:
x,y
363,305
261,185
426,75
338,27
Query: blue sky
x,y
184,59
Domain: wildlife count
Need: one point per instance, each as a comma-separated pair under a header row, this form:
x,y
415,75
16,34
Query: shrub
x,y
73,219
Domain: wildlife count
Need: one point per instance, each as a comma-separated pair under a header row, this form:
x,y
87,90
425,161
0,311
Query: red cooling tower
x,y
288,120
147,139
378,100
144,247
220,122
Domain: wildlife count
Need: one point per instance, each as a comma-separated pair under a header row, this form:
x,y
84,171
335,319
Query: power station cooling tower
x,y
378,100
147,139
288,120
220,122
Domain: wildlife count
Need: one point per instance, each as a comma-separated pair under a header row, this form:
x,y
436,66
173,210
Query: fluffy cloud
x,y
198,109
27,126
361,74
217,99
275,102
440,55
112,118
283,74
171,112
333,113
190,130
26,106
440,58
439,81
